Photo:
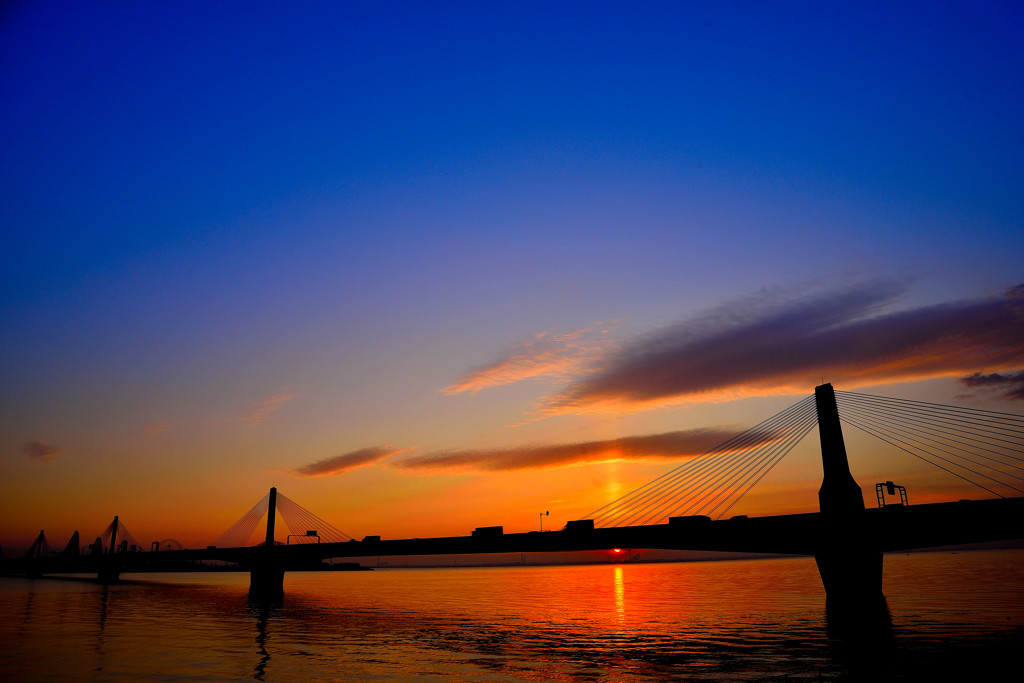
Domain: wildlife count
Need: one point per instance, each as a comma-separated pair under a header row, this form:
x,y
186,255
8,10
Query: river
x,y
949,615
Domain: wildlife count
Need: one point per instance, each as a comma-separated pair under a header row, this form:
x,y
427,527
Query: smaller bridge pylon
x,y
37,549
266,576
72,549
268,561
34,557
109,567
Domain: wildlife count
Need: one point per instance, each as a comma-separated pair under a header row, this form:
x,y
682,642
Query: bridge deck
x,y
888,529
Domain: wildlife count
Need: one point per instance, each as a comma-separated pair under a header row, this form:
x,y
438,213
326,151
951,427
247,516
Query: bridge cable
x,y
910,445
775,456
246,526
299,520
799,437
725,468
1004,426
919,427
692,473
712,466
941,426
699,468
239,534
979,413
806,417
734,471
735,444
125,535
761,458
912,428
937,419
896,445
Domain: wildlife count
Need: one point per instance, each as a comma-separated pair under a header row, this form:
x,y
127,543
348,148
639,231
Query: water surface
x,y
949,615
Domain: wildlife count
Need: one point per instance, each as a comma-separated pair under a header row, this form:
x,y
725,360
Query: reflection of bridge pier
x,y
848,560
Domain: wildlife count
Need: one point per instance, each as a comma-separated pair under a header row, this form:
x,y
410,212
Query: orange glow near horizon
x,y
194,502
398,505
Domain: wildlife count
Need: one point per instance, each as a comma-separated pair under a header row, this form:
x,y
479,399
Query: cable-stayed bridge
x,y
683,509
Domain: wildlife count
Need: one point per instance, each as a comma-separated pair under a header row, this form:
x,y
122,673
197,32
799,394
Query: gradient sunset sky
x,y
432,266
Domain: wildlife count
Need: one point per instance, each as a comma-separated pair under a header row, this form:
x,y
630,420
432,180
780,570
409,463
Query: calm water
x,y
950,616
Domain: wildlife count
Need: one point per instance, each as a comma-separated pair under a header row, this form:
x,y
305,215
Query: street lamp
x,y
542,515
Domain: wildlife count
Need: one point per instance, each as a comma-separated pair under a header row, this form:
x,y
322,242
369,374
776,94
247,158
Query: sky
x,y
432,266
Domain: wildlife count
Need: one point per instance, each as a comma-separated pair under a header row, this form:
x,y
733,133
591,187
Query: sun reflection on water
x,y
620,595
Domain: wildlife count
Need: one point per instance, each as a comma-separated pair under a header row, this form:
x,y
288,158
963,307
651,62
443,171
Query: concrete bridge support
x,y
266,581
849,563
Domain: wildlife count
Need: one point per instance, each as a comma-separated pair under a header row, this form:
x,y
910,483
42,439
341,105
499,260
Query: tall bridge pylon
x,y
849,563
266,574
839,493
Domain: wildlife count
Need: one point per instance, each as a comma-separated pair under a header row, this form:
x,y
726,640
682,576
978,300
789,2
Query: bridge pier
x,y
850,568
109,572
849,563
266,581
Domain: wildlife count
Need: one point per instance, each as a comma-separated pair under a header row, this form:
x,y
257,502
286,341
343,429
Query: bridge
x,y
674,511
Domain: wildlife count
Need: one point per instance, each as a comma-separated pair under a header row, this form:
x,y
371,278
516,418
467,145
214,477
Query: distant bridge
x,y
674,511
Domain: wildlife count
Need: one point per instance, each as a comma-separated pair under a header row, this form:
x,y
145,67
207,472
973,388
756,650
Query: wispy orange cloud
x,y
347,461
154,429
670,445
544,354
262,410
766,346
41,451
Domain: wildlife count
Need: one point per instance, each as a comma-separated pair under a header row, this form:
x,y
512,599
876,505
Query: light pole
x,y
542,515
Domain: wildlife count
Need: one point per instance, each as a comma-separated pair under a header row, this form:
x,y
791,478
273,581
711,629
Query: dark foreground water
x,y
950,617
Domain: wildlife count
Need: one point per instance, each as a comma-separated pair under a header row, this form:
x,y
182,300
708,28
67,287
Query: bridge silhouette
x,y
675,510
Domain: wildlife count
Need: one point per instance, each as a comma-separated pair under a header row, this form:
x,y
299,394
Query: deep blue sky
x,y
353,204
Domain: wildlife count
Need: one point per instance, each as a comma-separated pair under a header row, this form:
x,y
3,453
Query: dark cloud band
x,y
39,450
761,347
1008,385
346,461
678,444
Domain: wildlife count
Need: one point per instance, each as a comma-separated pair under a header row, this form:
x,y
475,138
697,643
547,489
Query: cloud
x,y
669,445
544,354
767,346
262,410
347,461
1009,385
154,429
41,451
